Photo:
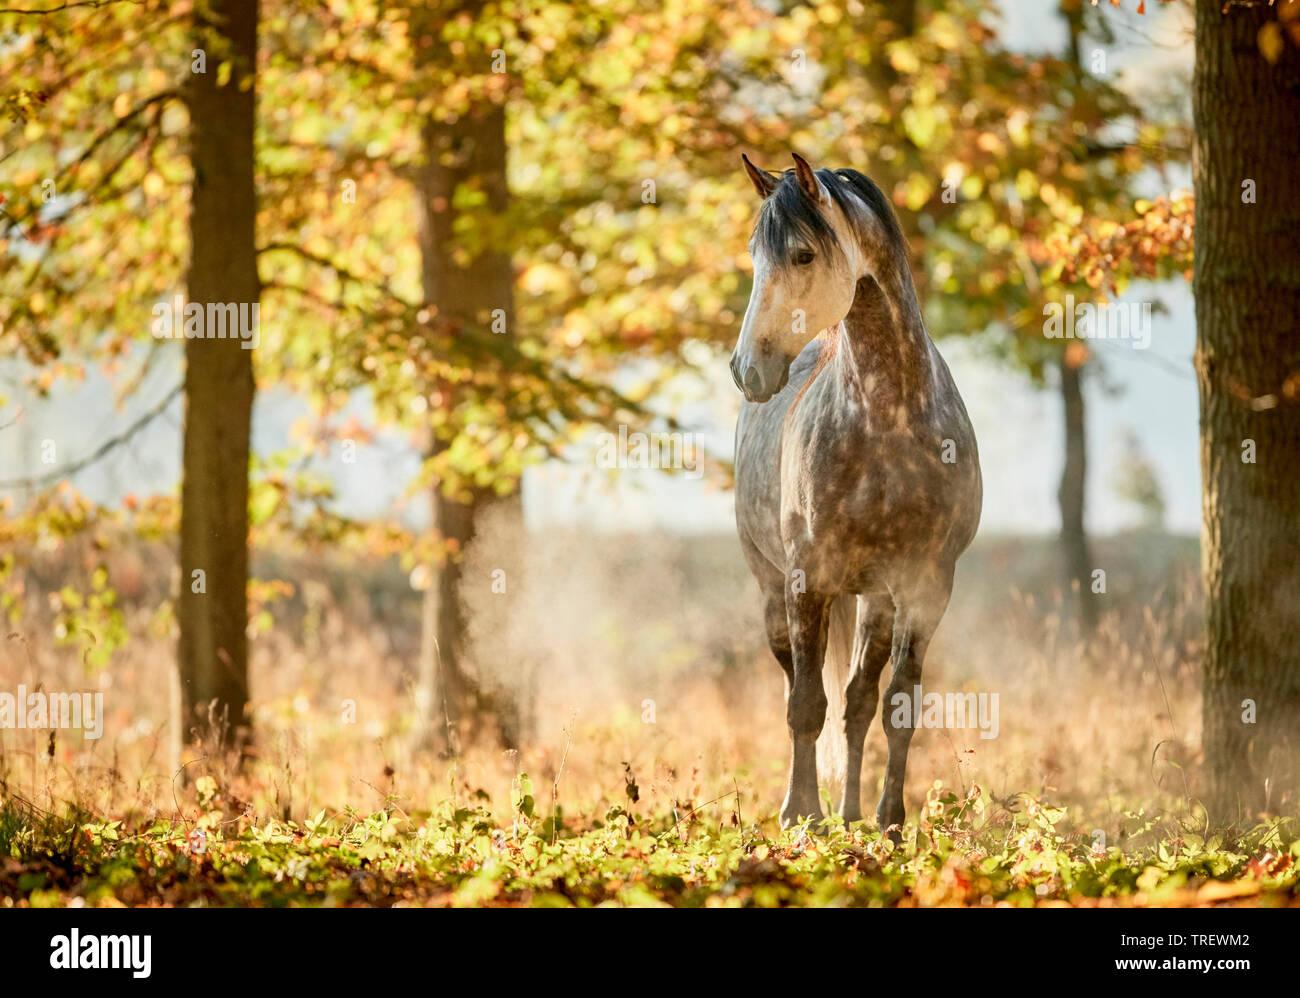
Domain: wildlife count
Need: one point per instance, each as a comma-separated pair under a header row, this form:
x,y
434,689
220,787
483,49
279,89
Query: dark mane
x,y
789,216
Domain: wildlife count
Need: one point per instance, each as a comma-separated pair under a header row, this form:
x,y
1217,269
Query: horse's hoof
x,y
789,819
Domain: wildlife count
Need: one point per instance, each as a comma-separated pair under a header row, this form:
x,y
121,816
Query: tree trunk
x,y
1070,495
1247,285
213,656
469,151
901,13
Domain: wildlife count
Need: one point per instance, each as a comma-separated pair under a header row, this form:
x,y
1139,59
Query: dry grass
x,y
594,632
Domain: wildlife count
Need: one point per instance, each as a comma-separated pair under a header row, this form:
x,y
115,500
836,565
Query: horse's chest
x,y
890,495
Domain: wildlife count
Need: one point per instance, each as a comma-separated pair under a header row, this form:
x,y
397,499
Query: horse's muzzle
x,y
757,384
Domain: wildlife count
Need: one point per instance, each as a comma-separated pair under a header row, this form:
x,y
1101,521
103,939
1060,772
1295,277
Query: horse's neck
x,y
884,350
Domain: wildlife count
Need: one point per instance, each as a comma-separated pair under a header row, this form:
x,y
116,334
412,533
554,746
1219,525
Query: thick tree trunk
x,y
469,151
1247,284
213,659
1070,495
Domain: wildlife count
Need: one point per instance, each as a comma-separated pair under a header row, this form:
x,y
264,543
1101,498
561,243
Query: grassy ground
x,y
963,851
656,748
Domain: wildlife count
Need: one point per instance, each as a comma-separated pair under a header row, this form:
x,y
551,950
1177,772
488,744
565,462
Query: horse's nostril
x,y
753,382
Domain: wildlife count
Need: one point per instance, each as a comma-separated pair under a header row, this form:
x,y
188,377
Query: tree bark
x,y
1070,494
213,611
468,151
1247,286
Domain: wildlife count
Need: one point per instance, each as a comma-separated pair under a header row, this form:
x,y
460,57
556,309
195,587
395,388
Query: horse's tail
x,y
832,748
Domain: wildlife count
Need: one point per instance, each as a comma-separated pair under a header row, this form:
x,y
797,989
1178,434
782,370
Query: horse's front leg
x,y
808,617
872,642
915,621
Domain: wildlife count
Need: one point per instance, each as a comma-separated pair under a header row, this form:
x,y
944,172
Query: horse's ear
x,y
763,181
807,179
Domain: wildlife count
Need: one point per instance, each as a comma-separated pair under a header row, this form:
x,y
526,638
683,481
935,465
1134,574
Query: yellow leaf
x,y
1026,184
1270,41
917,191
903,58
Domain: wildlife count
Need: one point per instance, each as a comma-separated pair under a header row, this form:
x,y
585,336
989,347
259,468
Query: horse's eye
x,y
803,258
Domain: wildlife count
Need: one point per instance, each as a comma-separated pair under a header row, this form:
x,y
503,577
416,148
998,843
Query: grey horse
x,y
857,478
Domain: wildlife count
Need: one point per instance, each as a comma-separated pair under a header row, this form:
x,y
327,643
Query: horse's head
x,y
818,233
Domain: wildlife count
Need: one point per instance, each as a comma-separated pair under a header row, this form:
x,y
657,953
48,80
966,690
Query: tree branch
x,y
49,478
339,269
69,6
